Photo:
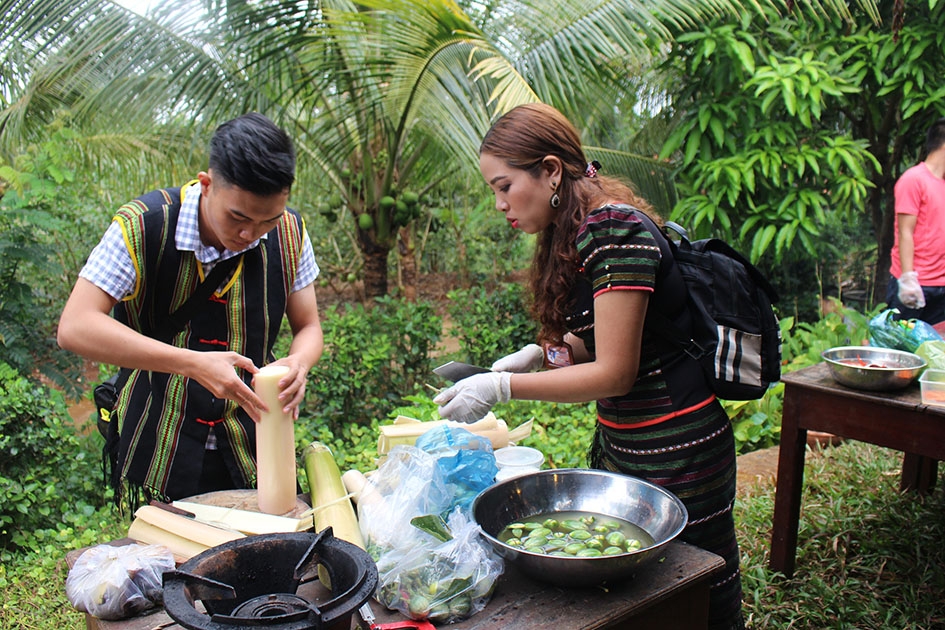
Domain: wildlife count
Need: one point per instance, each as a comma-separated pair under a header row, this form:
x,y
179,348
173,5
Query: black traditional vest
x,y
166,418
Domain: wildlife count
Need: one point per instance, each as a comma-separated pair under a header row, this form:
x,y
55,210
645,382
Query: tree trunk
x,y
375,266
884,239
407,251
888,148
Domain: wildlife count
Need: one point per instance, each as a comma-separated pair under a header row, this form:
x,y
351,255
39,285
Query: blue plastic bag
x,y
900,334
465,461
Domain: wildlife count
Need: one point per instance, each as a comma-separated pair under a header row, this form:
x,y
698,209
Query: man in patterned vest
x,y
187,412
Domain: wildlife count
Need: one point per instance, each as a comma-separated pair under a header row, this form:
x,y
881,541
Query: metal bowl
x,y
657,511
873,369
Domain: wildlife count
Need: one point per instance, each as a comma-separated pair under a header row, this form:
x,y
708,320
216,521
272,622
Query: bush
x,y
47,479
491,322
373,357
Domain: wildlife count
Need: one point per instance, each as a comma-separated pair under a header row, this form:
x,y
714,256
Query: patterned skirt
x,y
692,456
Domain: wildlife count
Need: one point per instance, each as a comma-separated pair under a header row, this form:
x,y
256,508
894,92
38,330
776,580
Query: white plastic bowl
x,y
513,461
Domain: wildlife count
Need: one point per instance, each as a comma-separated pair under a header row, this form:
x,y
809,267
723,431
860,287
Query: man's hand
x,y
218,372
910,291
528,359
472,398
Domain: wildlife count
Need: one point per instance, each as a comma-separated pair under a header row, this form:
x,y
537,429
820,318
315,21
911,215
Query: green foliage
x,y
354,446
759,165
373,357
563,432
842,326
36,210
48,478
490,322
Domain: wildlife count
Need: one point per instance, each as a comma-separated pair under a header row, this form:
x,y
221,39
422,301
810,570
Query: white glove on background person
x,y
472,398
910,291
528,359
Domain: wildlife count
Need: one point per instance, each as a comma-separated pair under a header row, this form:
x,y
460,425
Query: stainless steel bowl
x,y
873,369
657,511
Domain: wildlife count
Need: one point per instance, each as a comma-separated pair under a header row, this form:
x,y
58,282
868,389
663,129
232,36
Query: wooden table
x,y
669,594
813,400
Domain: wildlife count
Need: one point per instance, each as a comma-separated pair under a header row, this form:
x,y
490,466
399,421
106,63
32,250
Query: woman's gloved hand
x,y
910,291
528,359
472,398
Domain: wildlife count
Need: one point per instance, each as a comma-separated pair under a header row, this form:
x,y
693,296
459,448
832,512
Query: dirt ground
x,y
432,287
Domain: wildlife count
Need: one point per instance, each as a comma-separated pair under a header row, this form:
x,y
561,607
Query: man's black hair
x,y
253,153
935,137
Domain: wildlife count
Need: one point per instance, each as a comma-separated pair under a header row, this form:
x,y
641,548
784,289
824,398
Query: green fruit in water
x,y
410,198
387,202
365,222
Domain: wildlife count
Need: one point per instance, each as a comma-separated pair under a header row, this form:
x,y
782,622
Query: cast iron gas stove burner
x,y
271,581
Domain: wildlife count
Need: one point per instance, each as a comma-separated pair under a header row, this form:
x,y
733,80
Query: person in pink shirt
x,y
917,269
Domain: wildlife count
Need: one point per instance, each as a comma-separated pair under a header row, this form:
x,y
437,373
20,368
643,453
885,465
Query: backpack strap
x,y
656,319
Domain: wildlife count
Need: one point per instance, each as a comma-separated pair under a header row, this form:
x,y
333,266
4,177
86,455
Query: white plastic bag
x,y
112,582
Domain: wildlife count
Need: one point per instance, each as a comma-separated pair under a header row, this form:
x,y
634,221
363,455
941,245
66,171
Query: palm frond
x,y
650,178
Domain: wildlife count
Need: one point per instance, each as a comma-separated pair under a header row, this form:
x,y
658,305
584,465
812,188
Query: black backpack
x,y
736,337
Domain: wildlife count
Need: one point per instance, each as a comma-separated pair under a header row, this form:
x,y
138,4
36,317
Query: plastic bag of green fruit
x,y
888,331
443,581
432,560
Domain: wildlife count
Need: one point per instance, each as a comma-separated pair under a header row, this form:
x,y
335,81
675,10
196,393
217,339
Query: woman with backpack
x,y
597,267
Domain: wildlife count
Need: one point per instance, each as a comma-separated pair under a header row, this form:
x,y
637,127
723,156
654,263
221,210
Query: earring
x,y
555,200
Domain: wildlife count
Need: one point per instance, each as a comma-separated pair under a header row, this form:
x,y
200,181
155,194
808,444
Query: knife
x,y
456,371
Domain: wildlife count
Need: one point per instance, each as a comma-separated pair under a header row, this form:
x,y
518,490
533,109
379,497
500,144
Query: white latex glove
x,y
528,359
472,398
910,291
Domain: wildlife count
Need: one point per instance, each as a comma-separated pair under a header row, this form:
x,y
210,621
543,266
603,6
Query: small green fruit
x,y
365,222
335,200
410,198
386,202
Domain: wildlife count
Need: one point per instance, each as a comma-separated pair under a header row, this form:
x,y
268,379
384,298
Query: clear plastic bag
x,y
934,353
449,574
886,331
112,582
443,581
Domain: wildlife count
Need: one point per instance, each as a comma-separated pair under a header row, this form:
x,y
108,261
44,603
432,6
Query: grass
x,y
868,556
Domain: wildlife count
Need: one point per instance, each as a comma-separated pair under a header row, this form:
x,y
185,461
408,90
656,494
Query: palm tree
x,y
384,97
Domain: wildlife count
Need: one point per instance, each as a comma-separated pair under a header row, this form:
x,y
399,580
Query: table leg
x,y
918,473
787,498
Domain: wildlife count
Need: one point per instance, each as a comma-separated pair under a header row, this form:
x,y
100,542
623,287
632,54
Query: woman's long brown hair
x,y
523,138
